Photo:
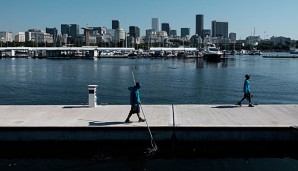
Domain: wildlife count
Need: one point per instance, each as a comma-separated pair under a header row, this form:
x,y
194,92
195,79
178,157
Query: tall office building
x,y
220,29
115,24
206,32
72,30
185,32
165,27
199,24
232,37
134,31
155,24
53,32
173,33
65,29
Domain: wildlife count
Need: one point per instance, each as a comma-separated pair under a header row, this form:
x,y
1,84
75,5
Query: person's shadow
x,y
224,107
98,123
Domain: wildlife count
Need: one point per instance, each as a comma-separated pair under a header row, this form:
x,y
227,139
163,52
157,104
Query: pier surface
x,y
188,122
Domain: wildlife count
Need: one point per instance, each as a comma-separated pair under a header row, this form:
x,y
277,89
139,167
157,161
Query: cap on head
x,y
138,85
247,76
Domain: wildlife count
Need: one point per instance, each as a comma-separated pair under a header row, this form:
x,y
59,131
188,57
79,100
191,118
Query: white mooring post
x,y
92,95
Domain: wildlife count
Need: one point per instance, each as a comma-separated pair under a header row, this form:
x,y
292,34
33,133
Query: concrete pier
x,y
202,123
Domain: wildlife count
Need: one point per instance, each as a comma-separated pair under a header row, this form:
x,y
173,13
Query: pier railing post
x,y
92,96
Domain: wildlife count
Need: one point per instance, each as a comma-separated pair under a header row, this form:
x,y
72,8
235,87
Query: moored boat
x,y
211,52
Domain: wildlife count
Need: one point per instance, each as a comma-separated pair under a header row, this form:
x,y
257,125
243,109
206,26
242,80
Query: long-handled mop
x,y
153,144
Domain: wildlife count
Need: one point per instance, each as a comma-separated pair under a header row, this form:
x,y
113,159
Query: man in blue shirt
x,y
135,102
246,90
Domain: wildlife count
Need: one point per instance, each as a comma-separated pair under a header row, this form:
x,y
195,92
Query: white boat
x,y
254,51
293,50
211,52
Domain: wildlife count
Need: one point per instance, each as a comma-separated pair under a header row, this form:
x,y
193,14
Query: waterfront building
x,y
155,24
87,31
151,37
165,27
34,35
95,31
134,31
199,24
173,33
253,40
220,29
65,29
115,24
206,33
61,39
195,41
120,36
20,37
280,40
72,30
53,32
185,32
232,37
161,37
48,38
6,36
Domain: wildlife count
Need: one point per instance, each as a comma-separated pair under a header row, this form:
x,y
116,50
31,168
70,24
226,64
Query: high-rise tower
x,y
155,24
199,24
115,24
220,29
165,27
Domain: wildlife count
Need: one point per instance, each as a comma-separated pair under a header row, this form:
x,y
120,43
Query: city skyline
x,y
259,17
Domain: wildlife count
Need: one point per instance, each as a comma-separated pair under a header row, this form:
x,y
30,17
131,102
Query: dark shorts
x,y
247,96
135,109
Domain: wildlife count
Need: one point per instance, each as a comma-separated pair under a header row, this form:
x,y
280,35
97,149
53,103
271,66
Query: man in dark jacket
x,y
135,102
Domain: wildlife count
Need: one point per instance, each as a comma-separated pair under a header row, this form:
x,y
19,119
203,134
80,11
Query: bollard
x,y
92,96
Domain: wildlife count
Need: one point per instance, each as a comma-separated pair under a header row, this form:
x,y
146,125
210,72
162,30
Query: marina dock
x,y
223,123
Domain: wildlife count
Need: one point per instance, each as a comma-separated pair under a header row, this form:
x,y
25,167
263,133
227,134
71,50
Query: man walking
x,y
135,102
246,90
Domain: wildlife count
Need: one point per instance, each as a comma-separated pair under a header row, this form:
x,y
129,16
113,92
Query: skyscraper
x,y
185,32
65,29
199,24
52,31
220,29
165,27
134,31
72,30
155,24
115,24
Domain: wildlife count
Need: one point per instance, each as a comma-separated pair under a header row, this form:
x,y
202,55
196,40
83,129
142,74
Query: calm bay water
x,y
164,81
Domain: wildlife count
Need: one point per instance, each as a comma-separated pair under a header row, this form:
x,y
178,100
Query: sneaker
x,y
239,103
127,121
250,105
142,120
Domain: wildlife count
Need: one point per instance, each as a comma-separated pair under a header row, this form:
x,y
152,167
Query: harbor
x,y
94,52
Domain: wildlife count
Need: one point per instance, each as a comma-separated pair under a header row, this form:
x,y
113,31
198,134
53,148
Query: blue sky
x,y
268,17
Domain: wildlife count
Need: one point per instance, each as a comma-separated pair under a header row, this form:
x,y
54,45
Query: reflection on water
x,y
165,81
